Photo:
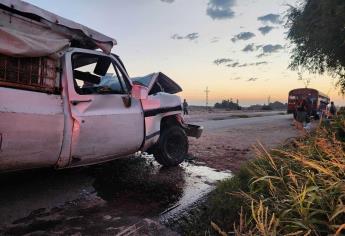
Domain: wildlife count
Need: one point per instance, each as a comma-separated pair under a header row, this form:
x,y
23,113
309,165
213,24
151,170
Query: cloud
x,y
265,29
168,1
236,78
222,61
243,65
220,9
269,48
237,64
191,36
266,48
177,37
214,40
270,18
261,63
249,48
233,64
243,36
252,79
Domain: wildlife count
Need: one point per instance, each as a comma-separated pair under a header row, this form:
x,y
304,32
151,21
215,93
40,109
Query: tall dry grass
x,y
297,190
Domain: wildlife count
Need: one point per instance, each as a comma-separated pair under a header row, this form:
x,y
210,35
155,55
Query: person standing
x,y
301,113
332,110
185,107
309,113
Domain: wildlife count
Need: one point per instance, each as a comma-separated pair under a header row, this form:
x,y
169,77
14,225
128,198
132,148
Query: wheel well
x,y
169,121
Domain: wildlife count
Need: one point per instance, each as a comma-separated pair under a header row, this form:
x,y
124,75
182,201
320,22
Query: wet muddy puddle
x,y
107,198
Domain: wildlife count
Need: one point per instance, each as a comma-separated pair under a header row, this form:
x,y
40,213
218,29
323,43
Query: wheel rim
x,y
175,147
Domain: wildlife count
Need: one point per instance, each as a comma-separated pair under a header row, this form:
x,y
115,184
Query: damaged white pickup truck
x,y
66,100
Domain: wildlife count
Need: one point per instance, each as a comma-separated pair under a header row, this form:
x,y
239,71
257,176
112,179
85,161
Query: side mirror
x,y
139,91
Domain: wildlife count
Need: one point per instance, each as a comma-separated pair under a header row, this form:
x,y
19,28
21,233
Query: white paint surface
x,y
31,124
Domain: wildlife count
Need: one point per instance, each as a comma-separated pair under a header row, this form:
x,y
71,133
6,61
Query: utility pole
x,y
207,92
269,100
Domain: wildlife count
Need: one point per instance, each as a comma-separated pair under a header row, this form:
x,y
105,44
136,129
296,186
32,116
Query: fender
x,y
190,129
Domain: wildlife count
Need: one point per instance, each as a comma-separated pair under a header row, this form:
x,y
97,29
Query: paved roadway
x,y
216,125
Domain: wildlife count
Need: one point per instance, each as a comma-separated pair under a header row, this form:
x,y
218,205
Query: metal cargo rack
x,y
32,73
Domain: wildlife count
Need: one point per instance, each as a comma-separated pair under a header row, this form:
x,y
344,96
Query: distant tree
x,y
317,30
278,105
266,108
227,104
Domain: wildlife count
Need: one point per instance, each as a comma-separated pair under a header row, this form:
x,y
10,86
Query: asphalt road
x,y
216,125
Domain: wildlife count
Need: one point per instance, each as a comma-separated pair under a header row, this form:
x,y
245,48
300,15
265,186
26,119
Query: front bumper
x,y
193,130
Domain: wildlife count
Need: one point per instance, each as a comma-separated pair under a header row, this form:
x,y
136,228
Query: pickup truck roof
x,y
45,33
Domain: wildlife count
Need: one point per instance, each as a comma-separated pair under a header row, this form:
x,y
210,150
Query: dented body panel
x,y
156,107
32,127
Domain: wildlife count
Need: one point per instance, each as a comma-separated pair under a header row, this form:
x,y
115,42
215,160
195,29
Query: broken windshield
x,y
162,83
143,80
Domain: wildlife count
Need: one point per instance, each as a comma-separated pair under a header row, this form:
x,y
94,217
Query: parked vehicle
x,y
65,103
317,100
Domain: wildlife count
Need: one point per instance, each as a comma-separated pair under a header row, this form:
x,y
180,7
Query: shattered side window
x,y
93,74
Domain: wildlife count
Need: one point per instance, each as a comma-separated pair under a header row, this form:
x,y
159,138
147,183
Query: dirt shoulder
x,y
228,146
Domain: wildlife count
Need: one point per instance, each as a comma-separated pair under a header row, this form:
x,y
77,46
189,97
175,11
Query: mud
x,y
132,196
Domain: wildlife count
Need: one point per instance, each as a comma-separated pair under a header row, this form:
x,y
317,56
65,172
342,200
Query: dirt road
x,y
227,143
132,196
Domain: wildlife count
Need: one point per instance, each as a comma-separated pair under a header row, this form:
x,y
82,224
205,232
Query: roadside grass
x,y
297,189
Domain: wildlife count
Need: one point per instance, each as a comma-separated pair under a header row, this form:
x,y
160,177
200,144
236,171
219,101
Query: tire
x,y
172,147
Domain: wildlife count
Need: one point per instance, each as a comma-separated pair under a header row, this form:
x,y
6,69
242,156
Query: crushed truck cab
x,y
65,104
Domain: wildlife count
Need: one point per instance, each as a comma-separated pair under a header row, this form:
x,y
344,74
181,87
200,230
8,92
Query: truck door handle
x,y
76,102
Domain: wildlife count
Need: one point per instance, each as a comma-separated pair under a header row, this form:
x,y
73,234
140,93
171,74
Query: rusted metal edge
x,y
28,87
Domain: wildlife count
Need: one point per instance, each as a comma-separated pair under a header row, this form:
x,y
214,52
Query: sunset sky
x,y
236,48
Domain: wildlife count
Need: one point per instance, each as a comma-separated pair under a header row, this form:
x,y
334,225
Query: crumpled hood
x,y
158,82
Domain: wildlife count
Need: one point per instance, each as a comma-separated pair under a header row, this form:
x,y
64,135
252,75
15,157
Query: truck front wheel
x,y
172,146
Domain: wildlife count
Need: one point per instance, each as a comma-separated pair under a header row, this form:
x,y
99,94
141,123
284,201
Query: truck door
x,y
107,122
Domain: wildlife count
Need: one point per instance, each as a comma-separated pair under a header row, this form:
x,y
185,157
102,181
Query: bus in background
x,y
317,100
